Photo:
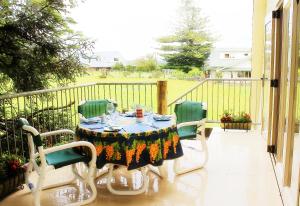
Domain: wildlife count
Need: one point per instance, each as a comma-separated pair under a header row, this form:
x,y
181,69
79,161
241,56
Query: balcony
x,y
239,172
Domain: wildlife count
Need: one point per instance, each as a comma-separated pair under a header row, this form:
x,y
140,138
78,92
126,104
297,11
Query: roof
x,y
230,59
104,59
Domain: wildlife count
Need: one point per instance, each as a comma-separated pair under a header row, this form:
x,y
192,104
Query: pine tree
x,y
191,43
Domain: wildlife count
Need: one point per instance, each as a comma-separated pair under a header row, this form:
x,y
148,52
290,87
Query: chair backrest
x,y
188,111
93,108
34,139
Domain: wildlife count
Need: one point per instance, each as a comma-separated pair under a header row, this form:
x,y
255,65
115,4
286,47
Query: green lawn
x,y
175,87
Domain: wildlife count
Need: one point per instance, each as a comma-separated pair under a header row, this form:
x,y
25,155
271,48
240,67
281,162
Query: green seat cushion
x,y
188,132
65,157
93,108
188,111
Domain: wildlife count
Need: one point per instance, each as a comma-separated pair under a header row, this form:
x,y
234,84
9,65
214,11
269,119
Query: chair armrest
x,y
192,123
56,132
72,145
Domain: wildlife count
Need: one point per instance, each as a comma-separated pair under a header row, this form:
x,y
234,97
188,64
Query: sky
x,y
132,27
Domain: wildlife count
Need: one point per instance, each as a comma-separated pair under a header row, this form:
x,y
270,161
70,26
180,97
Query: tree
x,y
146,64
191,43
37,45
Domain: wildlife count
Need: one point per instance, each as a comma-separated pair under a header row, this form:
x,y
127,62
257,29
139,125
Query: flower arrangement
x,y
11,173
242,118
10,165
230,121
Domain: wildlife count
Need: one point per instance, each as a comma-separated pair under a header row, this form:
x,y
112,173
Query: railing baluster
x,y
127,97
139,88
6,128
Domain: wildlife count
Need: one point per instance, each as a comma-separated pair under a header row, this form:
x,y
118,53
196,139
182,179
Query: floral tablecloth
x,y
134,146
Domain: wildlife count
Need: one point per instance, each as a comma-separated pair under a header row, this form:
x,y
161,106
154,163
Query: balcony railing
x,y
220,95
53,109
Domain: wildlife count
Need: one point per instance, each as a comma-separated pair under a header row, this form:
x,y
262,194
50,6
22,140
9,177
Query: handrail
x,y
24,94
187,92
211,79
233,79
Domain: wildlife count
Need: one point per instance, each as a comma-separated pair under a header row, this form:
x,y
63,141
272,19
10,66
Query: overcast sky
x,y
132,26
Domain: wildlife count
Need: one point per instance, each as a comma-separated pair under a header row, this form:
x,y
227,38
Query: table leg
x,y
128,192
159,171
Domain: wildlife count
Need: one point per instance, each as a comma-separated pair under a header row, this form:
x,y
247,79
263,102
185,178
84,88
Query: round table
x,y
135,145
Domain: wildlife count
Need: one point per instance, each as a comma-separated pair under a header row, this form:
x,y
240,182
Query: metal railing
x,y
232,95
52,109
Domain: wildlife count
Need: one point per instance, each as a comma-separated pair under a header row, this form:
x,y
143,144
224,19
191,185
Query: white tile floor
x,y
239,172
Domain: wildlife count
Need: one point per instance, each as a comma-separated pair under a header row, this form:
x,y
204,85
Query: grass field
x,y
220,96
175,87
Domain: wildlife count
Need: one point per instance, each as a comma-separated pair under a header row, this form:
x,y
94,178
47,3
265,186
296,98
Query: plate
x,y
162,118
112,129
92,120
129,114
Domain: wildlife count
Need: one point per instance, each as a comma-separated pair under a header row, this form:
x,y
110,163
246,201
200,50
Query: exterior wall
x,y
263,11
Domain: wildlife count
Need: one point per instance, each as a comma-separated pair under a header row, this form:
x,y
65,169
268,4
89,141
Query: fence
x,y
220,95
53,109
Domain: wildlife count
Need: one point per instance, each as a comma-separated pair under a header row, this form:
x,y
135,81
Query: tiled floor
x,y
238,172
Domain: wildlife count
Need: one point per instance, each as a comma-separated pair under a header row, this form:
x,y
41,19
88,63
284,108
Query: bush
x,y
195,72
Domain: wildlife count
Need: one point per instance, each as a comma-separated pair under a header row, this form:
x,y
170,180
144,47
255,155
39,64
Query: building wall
x,y
263,12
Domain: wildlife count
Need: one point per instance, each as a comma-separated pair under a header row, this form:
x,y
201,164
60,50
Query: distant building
x,y
104,60
229,63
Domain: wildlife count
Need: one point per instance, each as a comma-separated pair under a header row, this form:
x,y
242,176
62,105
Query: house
x,y
104,60
229,63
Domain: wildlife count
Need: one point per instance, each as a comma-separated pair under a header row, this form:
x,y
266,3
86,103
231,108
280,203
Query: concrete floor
x,y
239,172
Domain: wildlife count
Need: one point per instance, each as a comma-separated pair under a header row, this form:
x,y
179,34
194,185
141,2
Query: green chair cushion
x,y
188,111
65,157
187,132
93,108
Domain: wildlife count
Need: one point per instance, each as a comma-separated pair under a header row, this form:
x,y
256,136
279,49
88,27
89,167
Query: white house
x,y
229,63
104,60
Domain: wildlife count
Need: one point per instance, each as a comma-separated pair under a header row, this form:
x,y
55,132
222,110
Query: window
x,y
226,55
116,59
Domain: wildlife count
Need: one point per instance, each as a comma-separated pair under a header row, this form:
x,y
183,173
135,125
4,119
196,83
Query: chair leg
x,y
179,171
37,191
89,179
28,171
127,192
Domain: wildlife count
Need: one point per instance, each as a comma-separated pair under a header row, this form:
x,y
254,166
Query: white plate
x,y
112,129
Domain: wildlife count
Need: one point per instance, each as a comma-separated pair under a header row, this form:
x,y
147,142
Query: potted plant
x,y
241,121
11,173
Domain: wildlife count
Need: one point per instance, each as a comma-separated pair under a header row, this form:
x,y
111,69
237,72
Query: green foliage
x,y
195,72
219,74
118,66
190,45
10,164
230,118
146,64
130,68
37,45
